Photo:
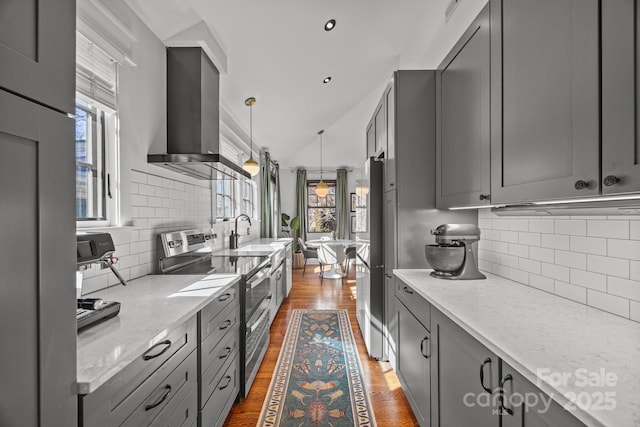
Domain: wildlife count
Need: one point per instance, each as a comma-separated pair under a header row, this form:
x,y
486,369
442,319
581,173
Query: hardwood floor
x,y
389,403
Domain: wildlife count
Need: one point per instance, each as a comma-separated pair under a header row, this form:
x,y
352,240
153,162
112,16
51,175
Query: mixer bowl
x,y
446,259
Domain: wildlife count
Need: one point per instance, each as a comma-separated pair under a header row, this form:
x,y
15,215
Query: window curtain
x,y
342,205
277,220
301,202
266,214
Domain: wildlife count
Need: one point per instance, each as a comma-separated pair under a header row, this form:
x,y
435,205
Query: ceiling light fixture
x,y
330,25
322,189
327,79
251,165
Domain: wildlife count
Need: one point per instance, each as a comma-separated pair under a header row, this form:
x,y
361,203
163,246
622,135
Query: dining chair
x,y
309,253
350,253
330,254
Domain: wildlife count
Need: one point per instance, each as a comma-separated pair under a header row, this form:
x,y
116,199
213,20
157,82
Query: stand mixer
x,y
452,257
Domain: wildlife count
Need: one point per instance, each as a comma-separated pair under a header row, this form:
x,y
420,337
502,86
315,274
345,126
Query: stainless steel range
x,y
189,252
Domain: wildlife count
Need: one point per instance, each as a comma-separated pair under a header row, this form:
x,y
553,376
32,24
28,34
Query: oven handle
x,y
259,277
265,313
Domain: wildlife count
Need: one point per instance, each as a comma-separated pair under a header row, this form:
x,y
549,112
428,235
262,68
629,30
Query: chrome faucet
x,y
233,239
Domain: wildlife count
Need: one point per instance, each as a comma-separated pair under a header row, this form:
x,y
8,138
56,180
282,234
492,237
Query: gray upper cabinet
x,y
37,261
620,92
380,120
462,121
37,51
544,99
390,150
371,138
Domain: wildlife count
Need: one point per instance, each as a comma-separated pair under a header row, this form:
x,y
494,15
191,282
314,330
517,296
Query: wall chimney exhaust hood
x,y
193,111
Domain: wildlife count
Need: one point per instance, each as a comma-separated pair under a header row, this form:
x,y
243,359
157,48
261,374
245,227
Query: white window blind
x,y
96,72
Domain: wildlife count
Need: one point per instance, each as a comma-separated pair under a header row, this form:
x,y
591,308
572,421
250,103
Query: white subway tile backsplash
x,y
147,190
594,260
606,265
137,176
629,249
154,180
571,227
529,239
518,250
542,283
608,229
555,241
635,310
590,280
541,226
553,271
542,254
571,259
588,245
610,303
572,292
629,289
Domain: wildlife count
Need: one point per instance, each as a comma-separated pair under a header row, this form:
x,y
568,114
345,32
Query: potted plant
x,y
291,226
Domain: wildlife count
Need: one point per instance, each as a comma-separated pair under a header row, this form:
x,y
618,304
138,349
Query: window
x,y
95,135
224,199
247,194
321,211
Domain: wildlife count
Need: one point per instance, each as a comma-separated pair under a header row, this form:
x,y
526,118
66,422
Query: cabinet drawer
x,y
186,413
219,327
418,306
209,314
115,400
172,394
226,387
215,354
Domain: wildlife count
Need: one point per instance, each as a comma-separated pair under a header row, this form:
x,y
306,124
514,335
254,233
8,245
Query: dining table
x,y
336,272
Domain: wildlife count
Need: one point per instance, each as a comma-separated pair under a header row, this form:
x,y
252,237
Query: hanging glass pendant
x,y
251,165
322,189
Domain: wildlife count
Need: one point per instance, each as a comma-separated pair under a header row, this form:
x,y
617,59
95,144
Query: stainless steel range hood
x,y
193,114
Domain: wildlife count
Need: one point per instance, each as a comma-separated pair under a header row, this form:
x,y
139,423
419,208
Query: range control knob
x,y
485,197
581,185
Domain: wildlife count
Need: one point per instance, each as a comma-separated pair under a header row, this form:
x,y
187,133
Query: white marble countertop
x,y
151,306
533,330
260,246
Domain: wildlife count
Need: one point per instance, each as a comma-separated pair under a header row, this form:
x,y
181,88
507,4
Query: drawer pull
x,y
226,384
224,297
162,399
147,356
503,408
407,290
224,325
226,353
422,345
487,360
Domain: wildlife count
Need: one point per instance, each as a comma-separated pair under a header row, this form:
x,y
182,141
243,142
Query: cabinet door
x,y
390,150
371,138
465,371
37,51
620,92
414,352
462,122
544,99
37,261
380,120
522,404
391,320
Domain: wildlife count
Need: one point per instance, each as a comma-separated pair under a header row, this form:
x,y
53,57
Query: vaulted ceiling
x,y
279,52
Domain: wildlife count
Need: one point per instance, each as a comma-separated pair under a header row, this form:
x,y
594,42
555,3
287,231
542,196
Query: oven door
x,y
256,341
257,288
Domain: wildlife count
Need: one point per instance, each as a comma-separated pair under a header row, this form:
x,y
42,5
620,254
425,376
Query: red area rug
x,y
318,379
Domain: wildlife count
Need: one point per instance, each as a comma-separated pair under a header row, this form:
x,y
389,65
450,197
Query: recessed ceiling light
x,y
330,25
327,79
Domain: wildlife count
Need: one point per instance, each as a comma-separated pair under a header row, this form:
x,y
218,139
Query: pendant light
x,y
322,189
251,165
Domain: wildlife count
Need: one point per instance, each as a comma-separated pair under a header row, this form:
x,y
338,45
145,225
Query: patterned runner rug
x,y
318,379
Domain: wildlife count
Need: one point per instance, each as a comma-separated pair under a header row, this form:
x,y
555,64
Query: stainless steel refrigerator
x,y
370,258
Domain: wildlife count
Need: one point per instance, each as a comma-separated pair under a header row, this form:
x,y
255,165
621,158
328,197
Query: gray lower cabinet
x,y
37,305
414,368
155,388
522,404
37,51
466,380
545,113
463,123
218,361
620,92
